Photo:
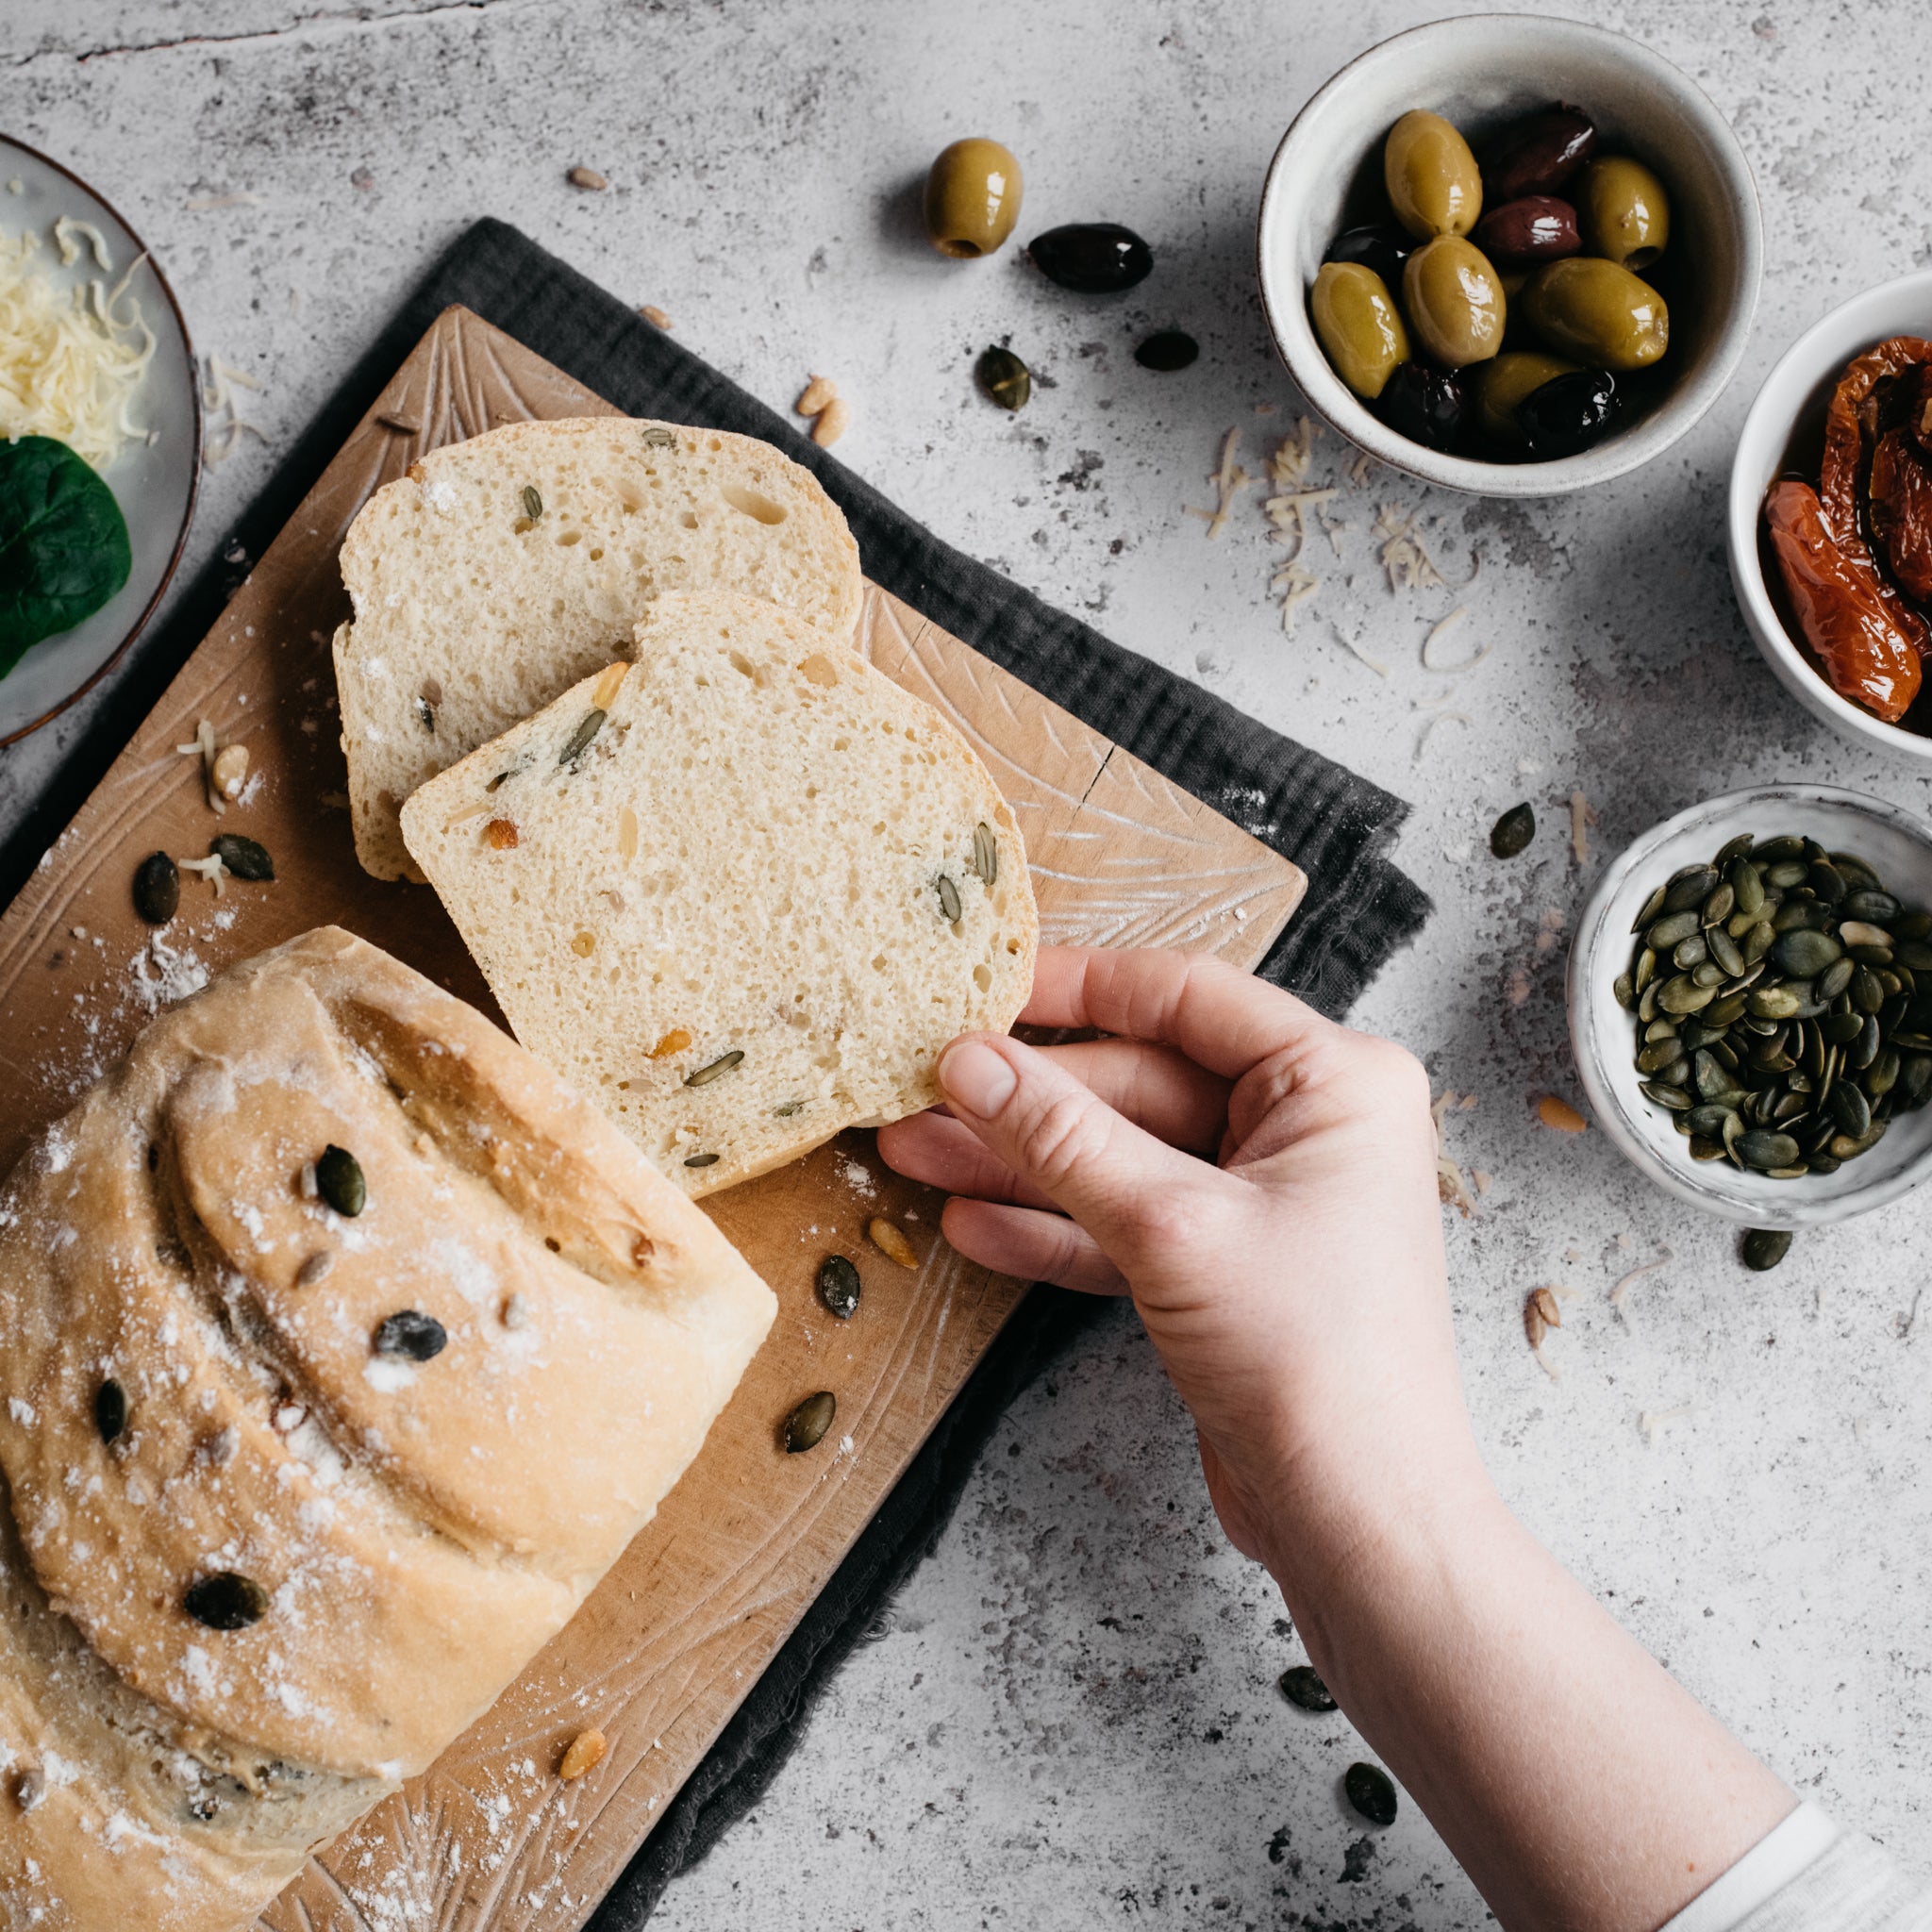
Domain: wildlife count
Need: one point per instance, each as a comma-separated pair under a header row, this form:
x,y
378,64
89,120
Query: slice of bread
x,y
742,892
501,570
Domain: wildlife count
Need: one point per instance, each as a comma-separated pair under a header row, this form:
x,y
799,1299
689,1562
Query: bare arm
x,y
1262,1183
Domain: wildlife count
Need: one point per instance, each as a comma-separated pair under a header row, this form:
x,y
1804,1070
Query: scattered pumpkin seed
x,y
156,889
1006,379
1764,1247
838,1286
1512,832
716,1070
949,898
1303,1687
226,1601
244,857
110,1409
412,1334
579,740
340,1181
806,1426
1372,1792
533,502
890,1242
986,855
702,1161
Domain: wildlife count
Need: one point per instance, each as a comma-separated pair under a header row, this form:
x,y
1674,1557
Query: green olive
x,y
1359,326
971,198
1434,184
1504,383
1453,301
1601,314
1623,211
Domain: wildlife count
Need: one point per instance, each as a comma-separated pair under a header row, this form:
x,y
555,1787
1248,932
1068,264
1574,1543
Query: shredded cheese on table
x,y
1230,480
69,366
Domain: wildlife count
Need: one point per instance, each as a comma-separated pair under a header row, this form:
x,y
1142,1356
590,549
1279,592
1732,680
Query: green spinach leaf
x,y
63,543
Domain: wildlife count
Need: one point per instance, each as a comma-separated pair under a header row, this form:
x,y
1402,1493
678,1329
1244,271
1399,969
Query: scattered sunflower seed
x,y
949,898
411,1334
806,1426
716,1070
340,1181
1372,1792
985,854
158,888
110,1409
580,739
838,1286
533,502
1512,832
1304,1689
226,1601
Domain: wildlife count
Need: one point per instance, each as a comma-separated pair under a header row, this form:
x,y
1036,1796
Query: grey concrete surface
x,y
1070,1718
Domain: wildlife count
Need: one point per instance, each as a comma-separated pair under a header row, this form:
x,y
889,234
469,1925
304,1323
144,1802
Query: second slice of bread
x,y
501,570
743,893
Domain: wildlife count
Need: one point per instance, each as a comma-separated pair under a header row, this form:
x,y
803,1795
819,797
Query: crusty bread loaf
x,y
199,1380
471,612
742,892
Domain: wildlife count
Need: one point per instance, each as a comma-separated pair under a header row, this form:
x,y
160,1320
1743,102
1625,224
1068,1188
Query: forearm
x,y
1579,1786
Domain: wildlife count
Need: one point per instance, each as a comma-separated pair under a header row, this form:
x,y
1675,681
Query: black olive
x,y
413,1334
1372,1792
338,1181
1424,404
226,1601
1568,413
1171,349
1382,246
110,1409
156,889
243,857
1093,258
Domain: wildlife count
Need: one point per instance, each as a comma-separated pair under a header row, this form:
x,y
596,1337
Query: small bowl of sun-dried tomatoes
x,y
1830,518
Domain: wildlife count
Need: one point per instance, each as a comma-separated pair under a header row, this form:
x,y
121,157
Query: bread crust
x,y
419,1528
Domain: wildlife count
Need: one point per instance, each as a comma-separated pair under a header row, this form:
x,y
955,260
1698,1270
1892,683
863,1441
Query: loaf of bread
x,y
501,570
741,891
343,1349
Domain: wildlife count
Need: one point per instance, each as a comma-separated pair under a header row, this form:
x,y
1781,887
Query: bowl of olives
x,y
1512,254
1749,996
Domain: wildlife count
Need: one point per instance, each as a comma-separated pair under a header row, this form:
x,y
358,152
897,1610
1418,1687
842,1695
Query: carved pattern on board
x,y
670,1642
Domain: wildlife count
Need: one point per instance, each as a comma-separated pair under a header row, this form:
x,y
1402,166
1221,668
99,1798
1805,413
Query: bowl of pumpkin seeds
x,y
1750,996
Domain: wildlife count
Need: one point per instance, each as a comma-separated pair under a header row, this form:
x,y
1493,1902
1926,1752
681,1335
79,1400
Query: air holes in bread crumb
x,y
819,669
761,509
982,977
688,519
566,537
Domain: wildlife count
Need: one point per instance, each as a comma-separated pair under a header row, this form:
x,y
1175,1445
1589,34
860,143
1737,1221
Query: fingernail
x,y
977,1079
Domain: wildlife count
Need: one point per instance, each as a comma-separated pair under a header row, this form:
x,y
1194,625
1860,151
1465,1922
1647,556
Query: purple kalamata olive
x,y
1538,154
1532,228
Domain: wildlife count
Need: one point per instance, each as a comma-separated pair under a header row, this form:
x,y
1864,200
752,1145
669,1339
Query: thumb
x,y
1117,1180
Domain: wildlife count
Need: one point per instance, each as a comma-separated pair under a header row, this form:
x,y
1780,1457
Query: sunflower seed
x,y
986,855
533,502
715,1070
579,740
949,898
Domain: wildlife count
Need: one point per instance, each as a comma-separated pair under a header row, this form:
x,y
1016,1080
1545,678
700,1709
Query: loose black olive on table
x,y
1424,404
1170,349
1569,413
1093,258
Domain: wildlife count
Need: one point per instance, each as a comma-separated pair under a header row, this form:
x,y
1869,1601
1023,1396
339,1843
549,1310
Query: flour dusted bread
x,y
743,893
259,1562
501,570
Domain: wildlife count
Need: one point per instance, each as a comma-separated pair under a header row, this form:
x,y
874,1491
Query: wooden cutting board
x,y
665,1649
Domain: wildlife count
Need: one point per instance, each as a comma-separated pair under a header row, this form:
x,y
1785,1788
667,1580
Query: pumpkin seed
x,y
533,502
1512,832
226,1601
1792,872
702,1161
1625,990
806,1426
1785,845
244,857
1717,908
949,898
837,1286
1690,887
1684,995
1747,888
110,1409
1672,930
986,855
1672,1097
1688,953
156,889
1869,903
579,740
1652,907
1723,949
1733,848
1171,349
340,1181
1765,1247
1765,1150
1304,1689
1006,379
411,1334
1372,1792
1804,954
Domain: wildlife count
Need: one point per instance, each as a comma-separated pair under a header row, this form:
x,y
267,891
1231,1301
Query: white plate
x,y
154,483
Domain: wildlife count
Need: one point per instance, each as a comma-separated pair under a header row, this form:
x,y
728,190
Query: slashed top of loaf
x,y
420,1528
765,849
471,611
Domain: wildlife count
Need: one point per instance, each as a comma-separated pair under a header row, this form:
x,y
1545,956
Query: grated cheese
x,y
218,400
1622,1288
1440,718
1294,584
1582,816
69,369
1447,625
1380,670
1294,453
66,229
1230,480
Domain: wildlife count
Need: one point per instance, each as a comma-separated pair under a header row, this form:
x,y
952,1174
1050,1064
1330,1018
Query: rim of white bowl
x,y
1714,1187
1330,398
1767,430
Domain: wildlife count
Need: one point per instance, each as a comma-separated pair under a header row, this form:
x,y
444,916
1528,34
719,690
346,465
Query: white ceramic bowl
x,y
1895,844
1480,72
1790,410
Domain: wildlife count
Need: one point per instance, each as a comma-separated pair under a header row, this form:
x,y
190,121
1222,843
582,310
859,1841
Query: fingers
x,y
1219,1017
1032,1245
944,1153
1034,1115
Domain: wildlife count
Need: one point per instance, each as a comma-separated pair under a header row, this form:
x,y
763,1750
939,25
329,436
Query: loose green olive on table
x,y
971,198
1496,311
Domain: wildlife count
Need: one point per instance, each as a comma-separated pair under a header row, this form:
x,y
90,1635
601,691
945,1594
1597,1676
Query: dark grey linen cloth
x,y
1335,827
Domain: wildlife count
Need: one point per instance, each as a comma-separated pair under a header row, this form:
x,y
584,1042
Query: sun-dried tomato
x,y
1901,512
1840,603
1852,427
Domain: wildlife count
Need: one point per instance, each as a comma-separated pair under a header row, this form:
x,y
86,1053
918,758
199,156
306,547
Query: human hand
x,y
1262,1181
